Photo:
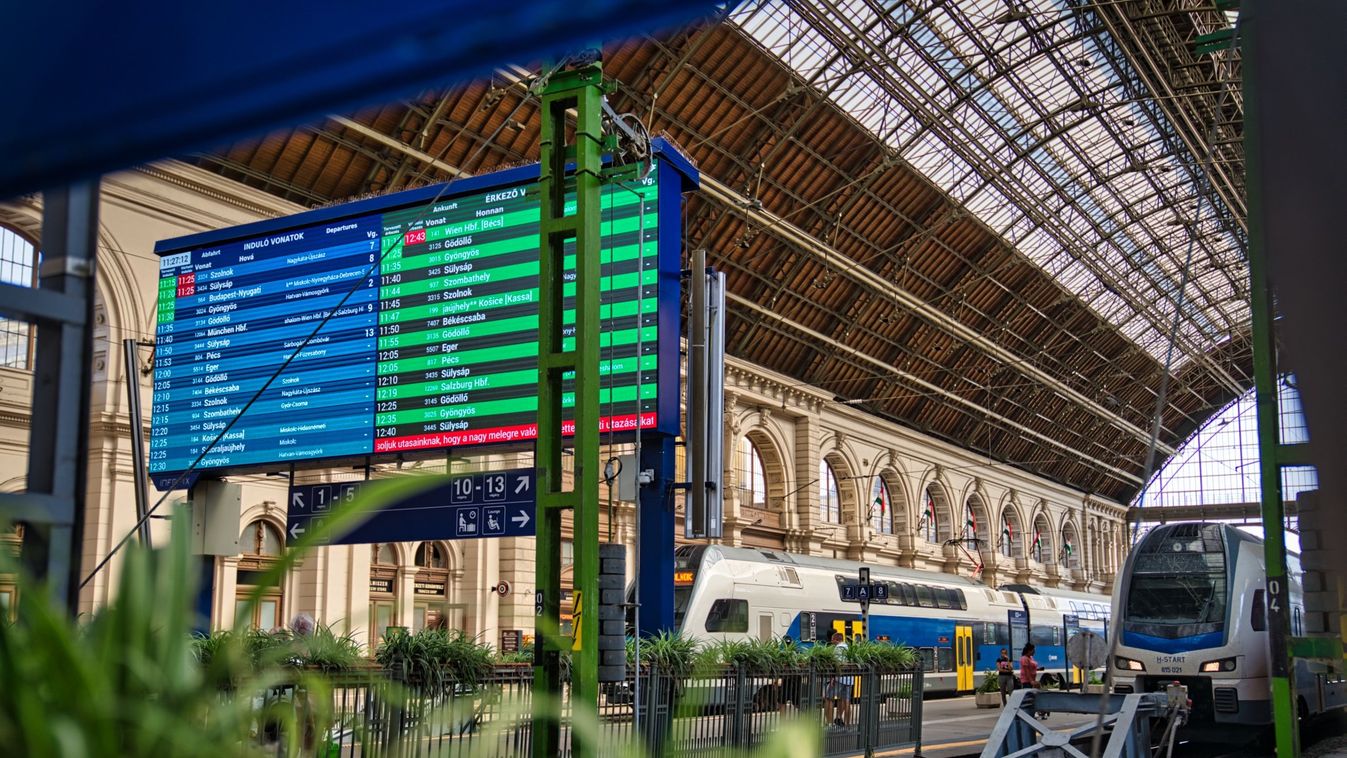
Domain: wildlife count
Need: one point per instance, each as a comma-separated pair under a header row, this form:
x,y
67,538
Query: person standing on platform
x,y
837,691
1028,667
1005,675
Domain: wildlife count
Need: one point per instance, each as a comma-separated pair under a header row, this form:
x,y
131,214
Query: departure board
x,y
403,324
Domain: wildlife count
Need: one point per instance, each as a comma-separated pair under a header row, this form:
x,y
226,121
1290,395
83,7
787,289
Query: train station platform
x,y
955,727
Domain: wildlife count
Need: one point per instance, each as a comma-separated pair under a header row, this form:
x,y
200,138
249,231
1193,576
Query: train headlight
x,y
1223,664
1127,664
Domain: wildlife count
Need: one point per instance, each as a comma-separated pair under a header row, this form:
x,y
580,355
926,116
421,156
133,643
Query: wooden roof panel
x,y
739,113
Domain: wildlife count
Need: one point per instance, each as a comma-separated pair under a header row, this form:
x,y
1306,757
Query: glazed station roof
x,y
981,219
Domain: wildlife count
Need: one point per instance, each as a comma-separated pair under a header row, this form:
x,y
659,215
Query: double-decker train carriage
x,y
958,624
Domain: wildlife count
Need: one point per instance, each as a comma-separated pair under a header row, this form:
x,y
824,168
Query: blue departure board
x,y
229,316
400,325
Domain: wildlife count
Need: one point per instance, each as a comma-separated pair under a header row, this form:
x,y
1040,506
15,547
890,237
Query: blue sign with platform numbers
x,y
463,506
856,592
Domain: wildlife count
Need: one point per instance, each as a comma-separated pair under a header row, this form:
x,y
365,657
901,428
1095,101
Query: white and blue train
x,y
1190,607
958,624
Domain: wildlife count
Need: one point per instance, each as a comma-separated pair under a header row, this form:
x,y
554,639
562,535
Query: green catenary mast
x,y
578,88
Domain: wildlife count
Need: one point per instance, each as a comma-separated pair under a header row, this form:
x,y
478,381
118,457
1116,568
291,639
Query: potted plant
x,y
1095,685
988,693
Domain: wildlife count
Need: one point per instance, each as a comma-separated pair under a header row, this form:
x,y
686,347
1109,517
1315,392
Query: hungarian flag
x,y
1008,531
1067,547
879,502
930,509
971,523
1038,538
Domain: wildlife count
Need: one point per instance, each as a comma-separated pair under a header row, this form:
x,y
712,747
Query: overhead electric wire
x,y
1157,417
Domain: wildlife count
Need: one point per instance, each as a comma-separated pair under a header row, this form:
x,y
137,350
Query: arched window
x,y
970,527
1219,464
829,499
260,545
1070,554
383,590
432,587
430,555
881,507
1039,548
1006,541
17,258
928,527
752,475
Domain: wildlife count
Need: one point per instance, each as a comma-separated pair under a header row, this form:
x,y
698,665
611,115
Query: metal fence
x,y
727,708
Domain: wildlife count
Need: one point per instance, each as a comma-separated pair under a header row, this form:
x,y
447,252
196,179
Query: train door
x,y
766,625
1019,632
1070,628
963,658
857,628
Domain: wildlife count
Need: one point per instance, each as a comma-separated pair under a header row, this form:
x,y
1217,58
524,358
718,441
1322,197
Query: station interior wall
x,y
792,426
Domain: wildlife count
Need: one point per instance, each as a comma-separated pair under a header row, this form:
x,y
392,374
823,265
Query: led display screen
x,y
401,324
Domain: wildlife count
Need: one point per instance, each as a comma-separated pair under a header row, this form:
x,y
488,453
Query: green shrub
x,y
822,657
212,648
324,649
765,656
130,678
884,656
523,655
435,658
266,648
670,653
128,681
989,683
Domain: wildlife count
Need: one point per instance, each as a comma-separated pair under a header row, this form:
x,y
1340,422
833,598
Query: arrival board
x,y
410,328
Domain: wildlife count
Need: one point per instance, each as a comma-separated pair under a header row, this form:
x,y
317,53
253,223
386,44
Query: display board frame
x,y
675,176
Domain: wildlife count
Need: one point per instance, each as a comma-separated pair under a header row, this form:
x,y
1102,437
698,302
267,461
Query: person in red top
x,y
1028,667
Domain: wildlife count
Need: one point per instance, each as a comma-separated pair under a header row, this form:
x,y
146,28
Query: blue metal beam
x,y
95,88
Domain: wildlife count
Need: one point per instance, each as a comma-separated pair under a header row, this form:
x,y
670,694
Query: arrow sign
x,y
476,505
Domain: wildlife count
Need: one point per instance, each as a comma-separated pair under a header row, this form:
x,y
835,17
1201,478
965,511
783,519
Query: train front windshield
x,y
1178,586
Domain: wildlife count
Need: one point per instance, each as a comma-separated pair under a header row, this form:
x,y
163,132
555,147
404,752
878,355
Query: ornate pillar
x,y
805,499
407,596
226,588
733,506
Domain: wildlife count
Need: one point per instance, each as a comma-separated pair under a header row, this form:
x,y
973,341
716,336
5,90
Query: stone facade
x,y
793,428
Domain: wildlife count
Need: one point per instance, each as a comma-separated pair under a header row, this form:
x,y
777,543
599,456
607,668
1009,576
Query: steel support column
x,y
579,89
656,564
1263,317
131,358
58,442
